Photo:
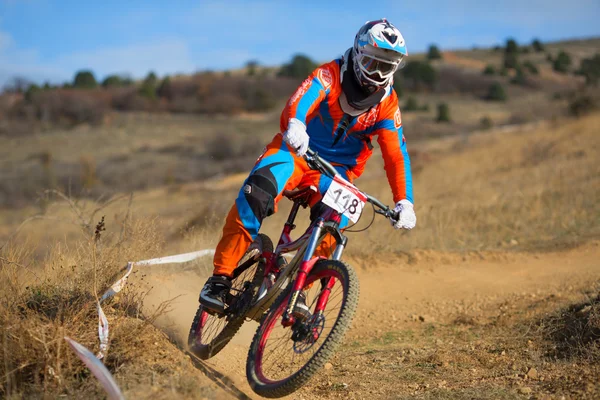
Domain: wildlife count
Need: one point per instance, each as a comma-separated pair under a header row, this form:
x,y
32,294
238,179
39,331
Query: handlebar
x,y
316,162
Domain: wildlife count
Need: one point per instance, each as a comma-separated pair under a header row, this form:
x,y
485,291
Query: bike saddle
x,y
301,195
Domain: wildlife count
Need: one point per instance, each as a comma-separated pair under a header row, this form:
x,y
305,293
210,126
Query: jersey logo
x,y
369,118
325,77
301,90
397,119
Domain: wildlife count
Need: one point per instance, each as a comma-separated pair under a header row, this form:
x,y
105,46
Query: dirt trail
x,y
432,287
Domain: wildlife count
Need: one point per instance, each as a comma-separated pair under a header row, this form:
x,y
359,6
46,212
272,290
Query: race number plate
x,y
345,198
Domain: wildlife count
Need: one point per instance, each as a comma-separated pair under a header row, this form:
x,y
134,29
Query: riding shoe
x,y
214,293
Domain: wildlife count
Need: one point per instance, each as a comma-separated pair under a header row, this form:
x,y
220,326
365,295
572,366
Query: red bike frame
x,y
326,223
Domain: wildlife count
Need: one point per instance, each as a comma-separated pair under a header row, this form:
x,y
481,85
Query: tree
x,y
17,84
419,73
496,92
399,84
116,81
562,62
251,67
511,52
538,47
31,91
511,60
489,70
300,67
434,53
443,113
85,80
590,69
148,88
165,89
511,46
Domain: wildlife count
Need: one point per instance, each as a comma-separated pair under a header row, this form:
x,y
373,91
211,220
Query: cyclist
x,y
336,111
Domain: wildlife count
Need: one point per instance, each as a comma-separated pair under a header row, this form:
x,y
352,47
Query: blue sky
x,y
51,39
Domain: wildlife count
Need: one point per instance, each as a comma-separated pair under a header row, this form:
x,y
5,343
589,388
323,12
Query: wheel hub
x,y
306,334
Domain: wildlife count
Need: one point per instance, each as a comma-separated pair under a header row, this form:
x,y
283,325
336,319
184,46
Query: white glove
x,y
296,137
406,217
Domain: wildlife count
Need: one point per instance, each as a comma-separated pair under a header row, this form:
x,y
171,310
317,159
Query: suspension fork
x,y
306,265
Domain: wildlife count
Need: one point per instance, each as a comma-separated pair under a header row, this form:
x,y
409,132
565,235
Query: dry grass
x,y
511,350
521,189
43,301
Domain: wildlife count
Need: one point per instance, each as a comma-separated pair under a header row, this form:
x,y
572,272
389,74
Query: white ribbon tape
x,y
118,286
98,369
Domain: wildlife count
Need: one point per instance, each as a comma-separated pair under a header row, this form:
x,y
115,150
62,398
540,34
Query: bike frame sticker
x,y
345,198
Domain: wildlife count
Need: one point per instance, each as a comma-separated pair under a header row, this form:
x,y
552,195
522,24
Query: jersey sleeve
x,y
393,148
308,96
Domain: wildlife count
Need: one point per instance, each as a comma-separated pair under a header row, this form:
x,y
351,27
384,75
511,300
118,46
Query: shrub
x,y
531,68
434,53
85,80
519,78
486,123
590,69
411,104
562,62
496,92
300,67
489,70
457,80
443,113
582,104
525,50
538,47
68,107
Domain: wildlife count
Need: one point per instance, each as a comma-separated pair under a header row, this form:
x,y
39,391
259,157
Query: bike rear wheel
x,y
210,332
280,359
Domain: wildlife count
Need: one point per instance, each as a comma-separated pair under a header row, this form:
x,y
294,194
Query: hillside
x,y
493,296
507,238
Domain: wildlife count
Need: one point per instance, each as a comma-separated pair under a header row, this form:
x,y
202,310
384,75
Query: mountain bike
x,y
287,350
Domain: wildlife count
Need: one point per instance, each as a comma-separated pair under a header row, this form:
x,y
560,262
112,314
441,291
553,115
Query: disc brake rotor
x,y
307,334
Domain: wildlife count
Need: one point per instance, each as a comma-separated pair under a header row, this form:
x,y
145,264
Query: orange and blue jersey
x,y
345,140
340,138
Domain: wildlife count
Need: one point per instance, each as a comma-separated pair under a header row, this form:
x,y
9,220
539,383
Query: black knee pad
x,y
260,191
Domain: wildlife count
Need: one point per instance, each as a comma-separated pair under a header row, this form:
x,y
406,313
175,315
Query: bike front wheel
x,y
282,359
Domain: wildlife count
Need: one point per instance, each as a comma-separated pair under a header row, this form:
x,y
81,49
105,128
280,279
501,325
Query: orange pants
x,y
278,169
